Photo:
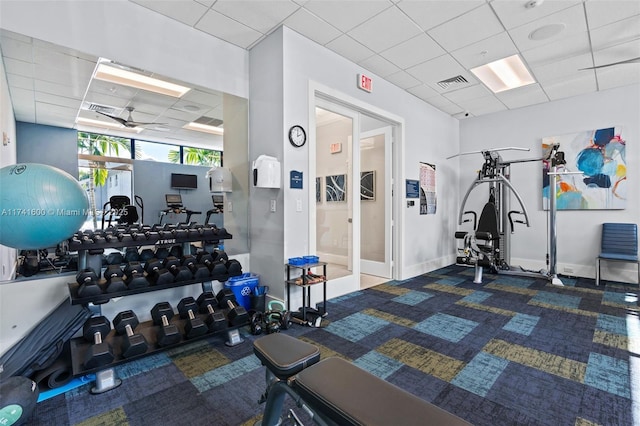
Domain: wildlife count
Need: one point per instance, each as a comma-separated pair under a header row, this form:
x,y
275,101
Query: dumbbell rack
x,y
127,237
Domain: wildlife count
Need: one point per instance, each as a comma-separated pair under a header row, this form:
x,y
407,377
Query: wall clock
x,y
297,136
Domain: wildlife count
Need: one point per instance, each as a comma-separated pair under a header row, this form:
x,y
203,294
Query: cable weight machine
x,y
489,244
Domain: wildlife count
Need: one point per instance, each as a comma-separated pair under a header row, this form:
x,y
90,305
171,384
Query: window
x,y
201,156
160,152
103,145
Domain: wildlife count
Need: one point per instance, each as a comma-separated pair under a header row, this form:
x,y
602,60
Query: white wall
x,y
7,157
429,135
578,231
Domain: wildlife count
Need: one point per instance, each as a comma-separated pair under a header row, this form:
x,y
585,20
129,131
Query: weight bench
x,y
334,391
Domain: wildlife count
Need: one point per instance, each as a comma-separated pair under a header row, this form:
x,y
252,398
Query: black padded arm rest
x,y
485,236
284,355
461,234
348,395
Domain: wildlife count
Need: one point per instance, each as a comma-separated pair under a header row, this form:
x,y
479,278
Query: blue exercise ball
x,y
40,206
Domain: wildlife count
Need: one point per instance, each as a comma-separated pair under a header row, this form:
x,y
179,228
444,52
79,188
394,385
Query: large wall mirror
x,y
108,124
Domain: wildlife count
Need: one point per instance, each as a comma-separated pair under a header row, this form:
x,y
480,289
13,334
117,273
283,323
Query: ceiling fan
x,y
129,122
626,61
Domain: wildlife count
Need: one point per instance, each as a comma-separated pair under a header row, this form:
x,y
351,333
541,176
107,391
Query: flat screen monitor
x,y
181,181
173,200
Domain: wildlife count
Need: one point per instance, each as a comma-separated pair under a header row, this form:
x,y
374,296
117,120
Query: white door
x,y
376,202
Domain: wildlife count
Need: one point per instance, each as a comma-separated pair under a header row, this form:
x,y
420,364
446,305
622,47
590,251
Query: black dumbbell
x,y
146,255
223,295
134,344
175,251
88,280
180,273
205,258
131,254
115,258
95,331
237,314
198,270
219,270
168,335
194,326
114,276
216,321
161,253
156,273
135,276
234,268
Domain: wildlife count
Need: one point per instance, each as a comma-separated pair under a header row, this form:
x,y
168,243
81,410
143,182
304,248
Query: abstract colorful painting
x,y
601,157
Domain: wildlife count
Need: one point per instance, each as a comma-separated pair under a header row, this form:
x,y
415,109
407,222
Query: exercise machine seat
x,y
285,356
619,243
346,394
488,224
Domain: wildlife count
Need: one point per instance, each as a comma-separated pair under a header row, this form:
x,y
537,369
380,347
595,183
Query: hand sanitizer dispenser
x,y
266,172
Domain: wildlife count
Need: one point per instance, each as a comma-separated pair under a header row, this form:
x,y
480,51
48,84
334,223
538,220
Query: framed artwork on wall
x,y
368,186
600,154
336,188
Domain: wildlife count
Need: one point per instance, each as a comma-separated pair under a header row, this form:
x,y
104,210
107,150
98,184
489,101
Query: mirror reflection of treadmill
x,y
218,206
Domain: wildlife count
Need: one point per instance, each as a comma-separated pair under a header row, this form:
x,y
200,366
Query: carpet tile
x,y
479,375
356,326
522,323
510,351
446,327
378,364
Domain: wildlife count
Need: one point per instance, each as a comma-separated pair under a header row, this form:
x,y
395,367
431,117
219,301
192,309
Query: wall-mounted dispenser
x,y
220,179
266,172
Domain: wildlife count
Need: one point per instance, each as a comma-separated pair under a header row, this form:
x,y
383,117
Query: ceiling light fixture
x,y
124,77
504,74
104,124
198,127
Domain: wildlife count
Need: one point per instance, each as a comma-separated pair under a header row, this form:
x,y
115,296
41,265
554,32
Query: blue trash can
x,y
242,287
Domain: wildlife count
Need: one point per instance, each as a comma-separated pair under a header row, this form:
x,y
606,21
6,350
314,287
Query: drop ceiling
x,y
412,44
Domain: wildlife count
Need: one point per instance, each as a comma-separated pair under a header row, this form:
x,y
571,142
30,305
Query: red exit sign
x,y
365,83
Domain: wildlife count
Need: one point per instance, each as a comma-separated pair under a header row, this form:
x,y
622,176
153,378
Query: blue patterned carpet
x,y
510,351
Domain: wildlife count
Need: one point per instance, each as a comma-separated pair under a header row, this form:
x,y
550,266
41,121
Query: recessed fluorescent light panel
x,y
117,75
204,128
504,74
99,123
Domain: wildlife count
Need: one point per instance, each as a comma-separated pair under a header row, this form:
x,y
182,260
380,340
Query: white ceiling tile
x,y
608,78
619,32
464,94
112,89
573,86
312,27
207,3
47,46
70,77
572,18
151,98
423,92
617,53
603,12
481,106
186,11
398,28
429,14
14,66
347,47
52,114
20,81
59,100
17,49
441,68
444,104
566,46
488,50
260,15
561,69
478,24
379,65
227,29
346,15
203,98
75,91
413,51
403,79
22,96
58,60
522,96
514,13
106,100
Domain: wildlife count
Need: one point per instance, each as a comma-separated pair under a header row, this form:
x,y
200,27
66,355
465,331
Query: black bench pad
x,y
284,355
349,395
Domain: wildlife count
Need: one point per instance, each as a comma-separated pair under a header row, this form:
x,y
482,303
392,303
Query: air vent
x,y
209,121
453,81
100,108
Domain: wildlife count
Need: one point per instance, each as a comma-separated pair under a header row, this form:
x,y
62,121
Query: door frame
x,y
318,90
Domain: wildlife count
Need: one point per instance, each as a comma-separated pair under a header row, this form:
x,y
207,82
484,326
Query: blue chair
x,y
619,244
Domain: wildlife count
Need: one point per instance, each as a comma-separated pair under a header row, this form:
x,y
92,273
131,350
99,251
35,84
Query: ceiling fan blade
x,y
137,124
626,61
118,119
